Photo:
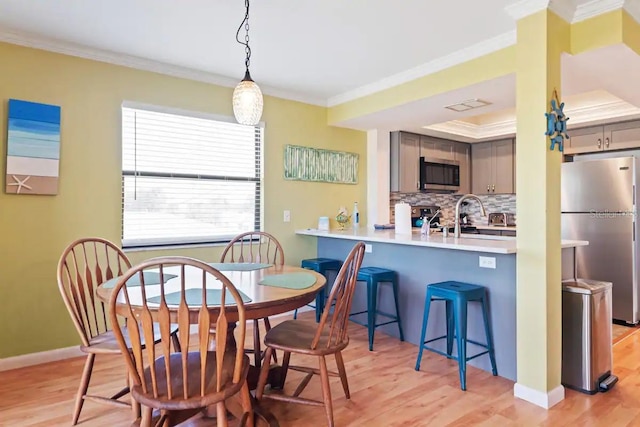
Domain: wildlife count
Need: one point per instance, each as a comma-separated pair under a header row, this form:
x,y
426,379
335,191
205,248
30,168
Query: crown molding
x,y
633,9
595,8
522,8
565,9
580,115
100,55
458,57
570,11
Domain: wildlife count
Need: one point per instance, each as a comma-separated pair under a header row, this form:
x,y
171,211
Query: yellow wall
x,y
35,229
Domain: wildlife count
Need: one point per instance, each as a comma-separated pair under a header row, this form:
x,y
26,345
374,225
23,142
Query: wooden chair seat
x,y
297,336
106,343
177,401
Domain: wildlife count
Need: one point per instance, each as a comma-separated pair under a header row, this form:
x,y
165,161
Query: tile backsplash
x,y
447,202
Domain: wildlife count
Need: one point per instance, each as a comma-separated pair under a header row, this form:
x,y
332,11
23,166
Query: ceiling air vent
x,y
469,104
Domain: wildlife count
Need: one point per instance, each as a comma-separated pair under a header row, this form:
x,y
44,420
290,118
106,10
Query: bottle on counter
x,y
355,215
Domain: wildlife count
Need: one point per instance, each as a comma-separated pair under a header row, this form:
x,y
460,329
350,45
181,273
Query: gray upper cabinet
x,y
492,167
617,136
622,135
435,148
585,140
482,167
462,154
405,158
405,153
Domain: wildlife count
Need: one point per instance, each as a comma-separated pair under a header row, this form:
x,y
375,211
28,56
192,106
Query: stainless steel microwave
x,y
439,174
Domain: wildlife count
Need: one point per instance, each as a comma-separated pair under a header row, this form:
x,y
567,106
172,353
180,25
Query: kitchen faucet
x,y
456,229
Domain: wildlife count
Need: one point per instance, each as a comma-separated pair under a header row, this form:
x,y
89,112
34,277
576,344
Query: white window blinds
x,y
188,179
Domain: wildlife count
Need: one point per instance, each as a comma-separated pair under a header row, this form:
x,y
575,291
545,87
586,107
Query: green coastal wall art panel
x,y
315,164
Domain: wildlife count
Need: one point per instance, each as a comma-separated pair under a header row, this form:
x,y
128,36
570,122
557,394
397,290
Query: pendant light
x,y
247,96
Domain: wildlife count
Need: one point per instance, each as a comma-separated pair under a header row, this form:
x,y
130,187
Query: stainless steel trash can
x,y
587,354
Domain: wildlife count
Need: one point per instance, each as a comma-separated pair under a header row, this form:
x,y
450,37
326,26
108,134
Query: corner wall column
x,y
542,37
378,189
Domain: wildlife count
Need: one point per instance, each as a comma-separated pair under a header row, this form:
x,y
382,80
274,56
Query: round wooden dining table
x,y
266,300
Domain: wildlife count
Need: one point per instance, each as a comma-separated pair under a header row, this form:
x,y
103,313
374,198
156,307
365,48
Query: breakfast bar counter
x,y
467,242
420,260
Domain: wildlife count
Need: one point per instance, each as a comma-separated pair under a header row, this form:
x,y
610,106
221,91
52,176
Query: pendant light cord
x,y
245,23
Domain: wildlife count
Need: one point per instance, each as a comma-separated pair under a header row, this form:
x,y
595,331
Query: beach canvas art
x,y
33,148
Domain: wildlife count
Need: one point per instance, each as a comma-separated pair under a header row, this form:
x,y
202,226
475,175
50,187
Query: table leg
x,y
234,404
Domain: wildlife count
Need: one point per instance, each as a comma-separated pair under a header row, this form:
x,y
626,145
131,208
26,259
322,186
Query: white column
x,y
378,151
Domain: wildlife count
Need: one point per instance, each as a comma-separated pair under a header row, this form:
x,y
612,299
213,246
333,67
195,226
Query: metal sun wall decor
x,y
556,123
314,164
33,148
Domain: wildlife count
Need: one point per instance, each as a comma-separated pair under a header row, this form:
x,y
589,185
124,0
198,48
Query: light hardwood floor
x,y
385,391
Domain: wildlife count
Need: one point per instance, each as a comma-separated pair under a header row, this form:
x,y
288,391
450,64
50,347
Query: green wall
x,y
35,229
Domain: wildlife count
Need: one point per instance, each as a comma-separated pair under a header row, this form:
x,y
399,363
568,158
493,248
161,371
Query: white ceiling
x,y
319,51
315,48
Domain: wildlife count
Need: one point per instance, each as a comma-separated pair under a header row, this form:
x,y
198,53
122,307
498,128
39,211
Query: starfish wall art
x,y
33,148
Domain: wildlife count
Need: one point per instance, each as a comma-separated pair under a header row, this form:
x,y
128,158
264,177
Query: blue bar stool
x,y
373,276
456,296
322,266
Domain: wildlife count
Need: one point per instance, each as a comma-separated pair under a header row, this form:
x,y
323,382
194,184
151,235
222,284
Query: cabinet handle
x,y
493,188
418,185
606,142
488,188
599,143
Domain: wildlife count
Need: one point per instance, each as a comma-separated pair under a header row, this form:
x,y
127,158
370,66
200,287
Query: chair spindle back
x,y
342,295
254,246
83,265
170,380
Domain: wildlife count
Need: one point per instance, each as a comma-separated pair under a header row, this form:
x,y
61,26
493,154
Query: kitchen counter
x,y
467,242
485,260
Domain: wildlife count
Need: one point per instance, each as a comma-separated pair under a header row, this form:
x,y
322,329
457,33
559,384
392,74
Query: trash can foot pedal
x,y
607,383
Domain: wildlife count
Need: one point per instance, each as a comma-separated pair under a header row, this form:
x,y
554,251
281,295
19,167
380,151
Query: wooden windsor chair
x,y
321,340
193,377
83,265
255,246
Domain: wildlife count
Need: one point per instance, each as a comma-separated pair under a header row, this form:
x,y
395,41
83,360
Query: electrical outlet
x,y
487,262
287,216
368,247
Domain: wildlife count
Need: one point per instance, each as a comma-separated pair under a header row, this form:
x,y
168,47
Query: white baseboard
x,y
31,359
543,399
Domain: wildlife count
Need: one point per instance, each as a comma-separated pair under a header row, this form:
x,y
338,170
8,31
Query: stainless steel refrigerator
x,y
599,204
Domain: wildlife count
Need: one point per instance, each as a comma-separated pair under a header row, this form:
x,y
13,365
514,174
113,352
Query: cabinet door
x,y
481,167
622,135
462,155
436,148
502,167
585,140
408,163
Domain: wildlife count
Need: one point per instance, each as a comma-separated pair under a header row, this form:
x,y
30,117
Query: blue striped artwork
x,y
33,148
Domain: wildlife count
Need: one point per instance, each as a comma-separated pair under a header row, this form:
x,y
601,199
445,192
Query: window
x,y
187,178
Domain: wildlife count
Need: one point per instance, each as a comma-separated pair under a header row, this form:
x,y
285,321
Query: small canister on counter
x,y
323,223
445,231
